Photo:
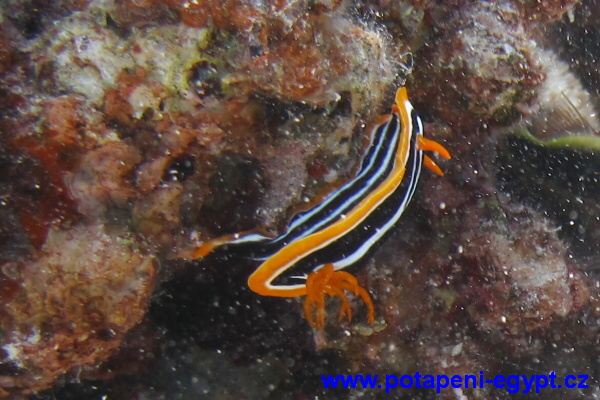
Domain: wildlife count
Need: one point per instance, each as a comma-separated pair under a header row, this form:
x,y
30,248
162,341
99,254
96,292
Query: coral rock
x,y
72,305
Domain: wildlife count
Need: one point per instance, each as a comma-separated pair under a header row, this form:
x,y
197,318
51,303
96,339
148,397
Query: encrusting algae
x,y
133,131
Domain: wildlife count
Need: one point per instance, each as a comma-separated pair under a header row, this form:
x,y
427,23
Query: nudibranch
x,y
308,259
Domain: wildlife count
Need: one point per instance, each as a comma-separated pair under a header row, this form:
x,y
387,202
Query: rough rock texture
x,y
130,131
484,64
71,306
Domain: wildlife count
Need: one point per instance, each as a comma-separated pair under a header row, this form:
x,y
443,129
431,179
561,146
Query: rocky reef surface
x,y
132,131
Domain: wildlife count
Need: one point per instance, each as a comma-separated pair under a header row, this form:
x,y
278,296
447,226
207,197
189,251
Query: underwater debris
x,y
559,176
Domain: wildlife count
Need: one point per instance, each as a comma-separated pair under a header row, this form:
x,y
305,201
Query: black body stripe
x,y
376,166
355,246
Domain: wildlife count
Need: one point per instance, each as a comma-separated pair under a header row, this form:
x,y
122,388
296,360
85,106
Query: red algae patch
x,y
72,305
320,57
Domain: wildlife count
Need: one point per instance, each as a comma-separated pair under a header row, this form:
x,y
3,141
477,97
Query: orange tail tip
x,y
328,281
207,247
